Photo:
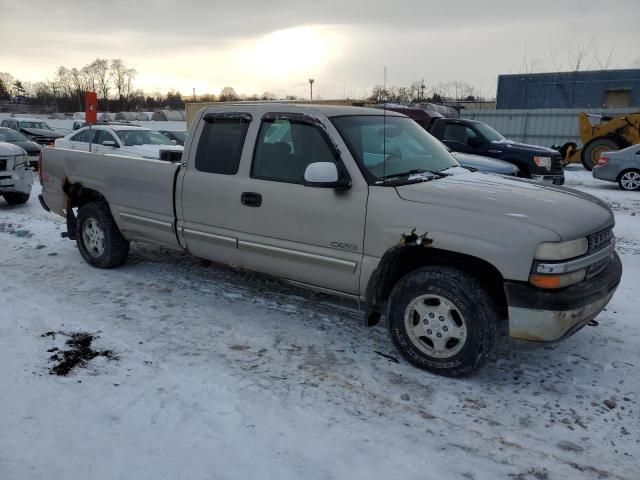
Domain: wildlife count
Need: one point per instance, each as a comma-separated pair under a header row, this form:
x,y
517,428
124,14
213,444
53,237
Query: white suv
x,y
130,140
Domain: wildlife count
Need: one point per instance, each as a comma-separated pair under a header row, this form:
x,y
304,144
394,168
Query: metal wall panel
x,y
546,127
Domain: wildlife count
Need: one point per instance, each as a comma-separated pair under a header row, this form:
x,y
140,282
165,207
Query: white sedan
x,y
130,140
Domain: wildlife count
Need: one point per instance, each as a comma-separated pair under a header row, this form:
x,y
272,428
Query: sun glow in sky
x,y
256,46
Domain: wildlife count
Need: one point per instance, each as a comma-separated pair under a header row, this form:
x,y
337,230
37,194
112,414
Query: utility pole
x,y
194,94
311,80
422,87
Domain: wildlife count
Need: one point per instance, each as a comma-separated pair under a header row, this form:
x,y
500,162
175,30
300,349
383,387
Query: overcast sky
x,y
276,45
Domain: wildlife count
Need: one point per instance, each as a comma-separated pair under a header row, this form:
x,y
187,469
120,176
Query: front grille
x,y
597,242
556,163
595,268
600,240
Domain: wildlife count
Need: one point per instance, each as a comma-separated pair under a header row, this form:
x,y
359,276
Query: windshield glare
x,y
392,146
40,125
142,137
12,136
489,133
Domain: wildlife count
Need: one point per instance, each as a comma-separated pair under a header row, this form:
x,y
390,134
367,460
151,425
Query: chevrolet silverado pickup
x,y
311,195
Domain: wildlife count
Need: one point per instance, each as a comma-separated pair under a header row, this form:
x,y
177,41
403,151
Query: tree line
x,y
114,84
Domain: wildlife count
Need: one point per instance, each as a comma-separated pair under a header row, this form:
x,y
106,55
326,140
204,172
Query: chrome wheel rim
x,y
93,237
630,181
435,326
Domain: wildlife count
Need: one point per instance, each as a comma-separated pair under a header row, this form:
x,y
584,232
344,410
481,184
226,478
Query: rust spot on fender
x,y
416,239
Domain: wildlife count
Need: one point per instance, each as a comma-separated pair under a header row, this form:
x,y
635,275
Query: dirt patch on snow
x,y
78,354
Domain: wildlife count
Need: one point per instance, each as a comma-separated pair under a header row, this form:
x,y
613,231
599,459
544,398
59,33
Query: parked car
x,y
478,138
32,148
34,129
178,137
446,258
16,178
622,166
118,140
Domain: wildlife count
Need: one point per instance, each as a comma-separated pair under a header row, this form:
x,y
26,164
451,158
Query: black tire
x,y
592,150
474,309
15,198
115,248
631,176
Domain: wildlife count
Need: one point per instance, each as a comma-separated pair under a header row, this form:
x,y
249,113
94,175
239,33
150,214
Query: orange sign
x,y
90,107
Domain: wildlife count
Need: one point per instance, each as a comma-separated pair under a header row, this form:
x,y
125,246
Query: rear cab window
x,y
221,142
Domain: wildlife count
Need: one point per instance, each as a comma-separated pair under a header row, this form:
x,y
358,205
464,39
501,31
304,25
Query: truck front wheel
x,y
15,198
98,238
442,320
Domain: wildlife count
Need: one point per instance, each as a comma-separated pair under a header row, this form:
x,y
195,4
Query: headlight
x,y
544,162
557,281
20,160
562,250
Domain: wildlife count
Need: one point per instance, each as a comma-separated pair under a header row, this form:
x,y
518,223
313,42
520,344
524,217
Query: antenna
x,y
384,128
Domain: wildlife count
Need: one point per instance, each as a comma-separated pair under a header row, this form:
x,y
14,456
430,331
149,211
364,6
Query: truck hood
x,y
485,164
510,145
569,213
149,151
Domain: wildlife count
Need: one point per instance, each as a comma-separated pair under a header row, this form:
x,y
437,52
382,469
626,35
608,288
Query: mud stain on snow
x,y
78,354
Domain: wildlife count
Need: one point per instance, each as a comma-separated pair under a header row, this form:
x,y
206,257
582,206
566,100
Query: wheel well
x,y
79,195
401,260
625,171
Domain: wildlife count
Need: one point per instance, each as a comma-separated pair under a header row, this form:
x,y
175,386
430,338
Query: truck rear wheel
x,y
442,320
591,152
15,198
98,238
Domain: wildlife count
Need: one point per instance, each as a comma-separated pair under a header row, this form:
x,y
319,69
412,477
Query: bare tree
x,y
228,94
101,68
529,65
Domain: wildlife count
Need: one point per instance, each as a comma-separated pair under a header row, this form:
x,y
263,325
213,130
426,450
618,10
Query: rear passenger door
x,y
209,188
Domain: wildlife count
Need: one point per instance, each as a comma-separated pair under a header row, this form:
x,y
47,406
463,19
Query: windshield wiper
x,y
396,178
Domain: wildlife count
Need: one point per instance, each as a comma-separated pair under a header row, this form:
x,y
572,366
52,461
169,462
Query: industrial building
x,y
582,89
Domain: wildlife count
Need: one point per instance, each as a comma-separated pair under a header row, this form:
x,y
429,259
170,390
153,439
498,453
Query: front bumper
x,y
547,316
19,180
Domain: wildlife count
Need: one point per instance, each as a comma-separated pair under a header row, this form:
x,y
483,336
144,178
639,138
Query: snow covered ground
x,y
214,373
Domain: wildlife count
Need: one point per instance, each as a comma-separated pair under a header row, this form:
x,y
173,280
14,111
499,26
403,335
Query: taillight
x,y
603,160
40,168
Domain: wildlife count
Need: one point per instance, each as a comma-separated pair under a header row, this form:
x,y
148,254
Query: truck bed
x,y
139,191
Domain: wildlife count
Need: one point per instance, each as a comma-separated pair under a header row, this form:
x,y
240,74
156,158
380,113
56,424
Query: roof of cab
x,y
326,110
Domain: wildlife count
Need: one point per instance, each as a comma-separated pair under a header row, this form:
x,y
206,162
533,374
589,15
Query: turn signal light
x,y
549,282
603,160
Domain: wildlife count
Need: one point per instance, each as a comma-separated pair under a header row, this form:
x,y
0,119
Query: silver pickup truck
x,y
360,203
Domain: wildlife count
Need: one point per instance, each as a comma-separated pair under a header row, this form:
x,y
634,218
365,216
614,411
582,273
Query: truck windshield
x,y
489,133
392,146
142,137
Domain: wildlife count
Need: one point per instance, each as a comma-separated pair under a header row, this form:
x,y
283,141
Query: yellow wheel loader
x,y
608,133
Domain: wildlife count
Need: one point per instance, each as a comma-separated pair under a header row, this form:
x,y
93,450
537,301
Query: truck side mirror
x,y
324,174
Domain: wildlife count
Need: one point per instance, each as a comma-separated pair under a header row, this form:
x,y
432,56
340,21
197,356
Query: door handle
x,y
251,199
